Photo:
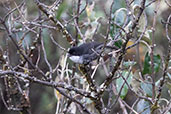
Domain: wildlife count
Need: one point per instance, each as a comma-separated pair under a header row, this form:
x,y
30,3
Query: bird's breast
x,y
76,59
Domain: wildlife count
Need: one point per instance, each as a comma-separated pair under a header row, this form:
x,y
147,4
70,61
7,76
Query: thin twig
x,y
11,11
152,50
59,46
129,106
59,25
45,56
20,51
55,85
162,81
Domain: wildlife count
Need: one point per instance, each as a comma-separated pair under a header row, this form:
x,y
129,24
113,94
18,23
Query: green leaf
x,y
60,10
143,107
119,18
157,61
147,88
147,66
129,63
118,43
120,81
147,36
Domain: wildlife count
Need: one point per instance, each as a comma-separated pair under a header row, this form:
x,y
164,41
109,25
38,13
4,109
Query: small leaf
x,y
61,9
147,64
147,88
57,95
147,67
89,11
169,75
73,108
135,83
92,28
147,36
143,107
118,43
120,81
119,18
87,101
129,63
157,61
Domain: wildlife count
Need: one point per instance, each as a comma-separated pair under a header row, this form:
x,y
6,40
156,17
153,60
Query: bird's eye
x,y
72,51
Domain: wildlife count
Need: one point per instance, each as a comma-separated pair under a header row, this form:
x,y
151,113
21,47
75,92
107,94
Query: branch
x,y
52,84
152,50
20,51
162,82
60,27
109,78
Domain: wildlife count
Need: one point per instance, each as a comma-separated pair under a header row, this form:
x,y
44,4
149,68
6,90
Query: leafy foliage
x,y
147,64
121,85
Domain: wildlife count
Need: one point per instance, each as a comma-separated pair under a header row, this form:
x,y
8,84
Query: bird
x,y
86,52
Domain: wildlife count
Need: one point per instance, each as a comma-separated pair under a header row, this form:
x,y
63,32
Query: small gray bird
x,y
86,52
